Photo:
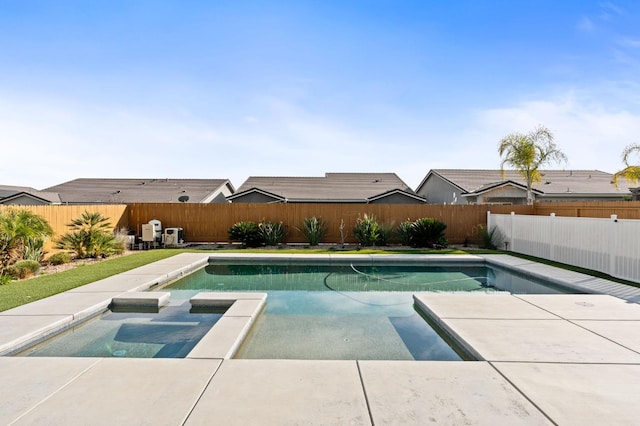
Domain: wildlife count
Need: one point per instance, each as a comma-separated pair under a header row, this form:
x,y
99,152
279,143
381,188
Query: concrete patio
x,y
544,359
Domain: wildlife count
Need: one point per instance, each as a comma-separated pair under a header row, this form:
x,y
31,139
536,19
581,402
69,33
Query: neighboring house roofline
x,y
27,194
254,190
397,191
219,191
492,186
435,172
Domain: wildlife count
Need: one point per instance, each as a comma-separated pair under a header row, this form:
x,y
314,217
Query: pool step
x,y
141,301
218,299
226,336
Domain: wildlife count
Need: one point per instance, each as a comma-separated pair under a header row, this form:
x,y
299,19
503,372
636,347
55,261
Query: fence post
x,y
552,239
513,245
613,245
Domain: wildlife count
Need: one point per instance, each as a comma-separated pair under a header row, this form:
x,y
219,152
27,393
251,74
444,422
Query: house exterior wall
x,y
438,191
220,198
254,197
503,195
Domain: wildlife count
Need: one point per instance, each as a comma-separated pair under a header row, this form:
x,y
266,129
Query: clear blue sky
x,y
229,89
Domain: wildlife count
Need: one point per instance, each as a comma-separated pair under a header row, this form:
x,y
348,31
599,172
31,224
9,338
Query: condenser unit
x,y
173,236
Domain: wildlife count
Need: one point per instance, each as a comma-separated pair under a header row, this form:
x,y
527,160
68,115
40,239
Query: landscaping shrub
x,y
90,236
23,269
272,233
428,232
59,258
33,249
385,233
491,238
367,230
403,233
247,232
21,232
314,229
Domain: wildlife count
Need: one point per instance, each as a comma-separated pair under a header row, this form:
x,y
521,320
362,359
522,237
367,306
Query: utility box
x,y
152,231
173,236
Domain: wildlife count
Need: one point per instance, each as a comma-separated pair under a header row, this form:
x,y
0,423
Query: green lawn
x,y
20,292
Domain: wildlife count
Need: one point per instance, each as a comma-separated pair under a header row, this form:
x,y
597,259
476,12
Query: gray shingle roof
x,y
553,181
9,191
332,186
86,191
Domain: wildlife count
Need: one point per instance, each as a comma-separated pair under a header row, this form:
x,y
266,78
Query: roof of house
x,y
10,192
87,191
339,187
553,181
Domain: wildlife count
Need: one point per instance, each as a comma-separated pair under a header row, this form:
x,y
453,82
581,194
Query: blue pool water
x,y
348,311
170,333
313,311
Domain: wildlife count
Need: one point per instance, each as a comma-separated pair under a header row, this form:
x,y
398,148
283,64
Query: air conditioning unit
x,y
173,236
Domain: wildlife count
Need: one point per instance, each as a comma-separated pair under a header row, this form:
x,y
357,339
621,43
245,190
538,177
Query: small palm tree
x,y
527,153
19,229
90,236
630,173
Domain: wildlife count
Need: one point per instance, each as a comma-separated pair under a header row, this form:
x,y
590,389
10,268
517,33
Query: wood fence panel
x,y
59,216
604,209
211,222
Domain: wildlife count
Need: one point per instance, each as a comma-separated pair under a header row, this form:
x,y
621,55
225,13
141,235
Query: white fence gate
x,y
608,245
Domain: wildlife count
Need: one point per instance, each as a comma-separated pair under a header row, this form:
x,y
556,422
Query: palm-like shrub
x,y
91,235
367,230
403,232
491,238
272,233
428,232
385,232
314,229
247,232
20,230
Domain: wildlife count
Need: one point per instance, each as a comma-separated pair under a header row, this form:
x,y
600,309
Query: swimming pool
x,y
171,332
349,310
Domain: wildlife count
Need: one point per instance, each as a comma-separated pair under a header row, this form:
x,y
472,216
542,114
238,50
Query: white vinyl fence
x,y
609,245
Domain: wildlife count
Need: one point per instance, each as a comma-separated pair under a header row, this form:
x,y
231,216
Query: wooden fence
x,y
211,222
59,216
624,209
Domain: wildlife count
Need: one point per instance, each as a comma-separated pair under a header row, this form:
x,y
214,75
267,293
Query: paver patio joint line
x,y
195,403
522,393
540,307
604,337
73,379
364,391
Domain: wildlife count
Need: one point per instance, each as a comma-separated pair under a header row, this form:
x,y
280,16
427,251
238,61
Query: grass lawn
x,y
21,292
